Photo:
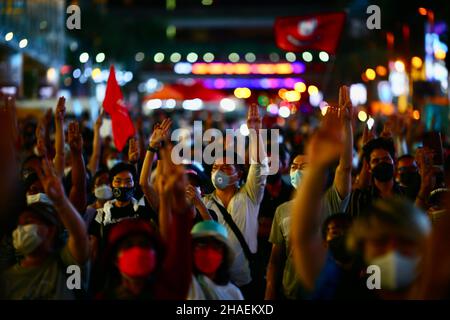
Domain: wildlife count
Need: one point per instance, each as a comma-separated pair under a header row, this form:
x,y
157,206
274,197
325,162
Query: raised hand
x,y
98,123
345,104
253,118
327,144
133,150
74,137
368,134
160,132
192,194
60,111
51,183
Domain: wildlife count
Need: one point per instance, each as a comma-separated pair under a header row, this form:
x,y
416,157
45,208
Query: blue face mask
x,y
296,178
221,180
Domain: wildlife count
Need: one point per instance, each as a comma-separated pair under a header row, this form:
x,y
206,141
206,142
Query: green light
x,y
171,31
263,101
171,4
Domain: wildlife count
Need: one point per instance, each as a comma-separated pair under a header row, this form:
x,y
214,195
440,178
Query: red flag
x,y
122,126
317,32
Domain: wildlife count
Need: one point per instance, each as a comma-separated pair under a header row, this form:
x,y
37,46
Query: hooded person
x,y
213,256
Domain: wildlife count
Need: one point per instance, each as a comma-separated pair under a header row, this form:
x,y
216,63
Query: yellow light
x,y
399,66
292,96
96,73
242,68
51,75
283,68
362,116
370,74
200,68
282,93
416,62
323,110
422,11
300,87
242,93
381,71
440,54
216,68
312,90
416,115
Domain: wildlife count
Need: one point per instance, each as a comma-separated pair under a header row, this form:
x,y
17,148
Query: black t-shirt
x,y
269,204
100,230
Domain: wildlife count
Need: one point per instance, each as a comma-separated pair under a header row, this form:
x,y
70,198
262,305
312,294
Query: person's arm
x,y
257,174
160,132
78,190
424,158
275,271
96,146
309,253
197,201
177,267
59,160
343,176
78,242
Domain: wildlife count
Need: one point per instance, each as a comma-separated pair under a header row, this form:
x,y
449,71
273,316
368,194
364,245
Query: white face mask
x,y
103,192
397,271
38,197
26,238
110,163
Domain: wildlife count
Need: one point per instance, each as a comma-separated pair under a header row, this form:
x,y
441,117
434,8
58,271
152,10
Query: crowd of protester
x,y
138,226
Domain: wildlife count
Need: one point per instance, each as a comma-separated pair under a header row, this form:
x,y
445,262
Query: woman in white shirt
x,y
212,258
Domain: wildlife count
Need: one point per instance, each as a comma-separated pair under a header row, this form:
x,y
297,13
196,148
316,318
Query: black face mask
x,y
383,171
123,193
410,179
339,250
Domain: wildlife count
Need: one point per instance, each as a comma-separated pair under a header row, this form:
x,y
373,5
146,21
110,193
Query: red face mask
x,y
207,259
137,262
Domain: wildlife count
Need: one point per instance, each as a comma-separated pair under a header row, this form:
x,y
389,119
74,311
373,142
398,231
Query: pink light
x,y
219,83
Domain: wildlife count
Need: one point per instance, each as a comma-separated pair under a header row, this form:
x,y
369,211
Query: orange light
x,y
381,71
370,74
265,69
416,115
282,93
440,54
363,77
242,68
416,62
200,68
228,68
422,11
312,90
216,68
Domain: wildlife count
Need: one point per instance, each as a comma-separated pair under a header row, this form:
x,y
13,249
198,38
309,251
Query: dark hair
x,y
340,216
379,143
121,167
96,175
222,276
405,156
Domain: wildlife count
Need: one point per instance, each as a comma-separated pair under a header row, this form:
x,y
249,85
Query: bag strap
x,y
229,220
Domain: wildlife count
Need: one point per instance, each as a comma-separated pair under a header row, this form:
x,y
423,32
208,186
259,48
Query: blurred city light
x,y
292,96
242,93
140,56
243,129
9,36
84,57
362,116
208,57
290,56
100,57
323,56
300,87
192,57
312,90
316,99
381,71
227,105
399,66
175,57
307,56
358,94
158,57
233,57
250,57
416,62
23,43
370,74
284,112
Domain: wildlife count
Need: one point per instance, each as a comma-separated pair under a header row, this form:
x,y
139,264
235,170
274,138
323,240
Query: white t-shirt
x,y
214,291
244,209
